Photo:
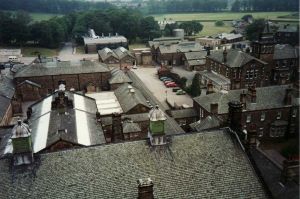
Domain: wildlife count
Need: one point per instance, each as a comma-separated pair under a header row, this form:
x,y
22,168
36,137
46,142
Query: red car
x,y
168,82
172,84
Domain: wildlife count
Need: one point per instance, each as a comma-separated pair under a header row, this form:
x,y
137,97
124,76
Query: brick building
x,y
287,34
85,76
239,68
195,60
272,111
118,78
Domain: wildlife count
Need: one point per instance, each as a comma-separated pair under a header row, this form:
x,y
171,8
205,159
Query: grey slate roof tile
x,y
201,165
119,77
285,51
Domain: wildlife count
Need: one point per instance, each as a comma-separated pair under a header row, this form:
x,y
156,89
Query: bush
x,y
219,23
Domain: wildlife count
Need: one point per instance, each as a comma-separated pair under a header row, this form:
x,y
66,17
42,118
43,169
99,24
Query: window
x,y
261,132
250,74
201,113
294,112
277,131
263,116
255,73
278,115
248,120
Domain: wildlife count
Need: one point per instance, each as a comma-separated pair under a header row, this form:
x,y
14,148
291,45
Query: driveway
x,y
150,79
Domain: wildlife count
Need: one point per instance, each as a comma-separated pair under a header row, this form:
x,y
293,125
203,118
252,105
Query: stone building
x,y
209,42
173,54
226,38
287,34
195,60
272,111
240,68
87,76
143,56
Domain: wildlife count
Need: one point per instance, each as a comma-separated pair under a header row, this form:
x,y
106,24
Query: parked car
x,y
175,89
163,77
167,82
167,79
172,84
180,92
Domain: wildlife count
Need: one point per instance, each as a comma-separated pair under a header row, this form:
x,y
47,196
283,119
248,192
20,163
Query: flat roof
x,y
107,102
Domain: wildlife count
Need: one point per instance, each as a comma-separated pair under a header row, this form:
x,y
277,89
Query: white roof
x,y
107,102
104,40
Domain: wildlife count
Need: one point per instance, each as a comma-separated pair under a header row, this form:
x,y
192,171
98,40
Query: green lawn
x,y
222,16
209,28
31,51
42,16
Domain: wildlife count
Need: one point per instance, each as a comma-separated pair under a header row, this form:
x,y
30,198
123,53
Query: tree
x,y
195,87
236,6
168,31
219,23
253,30
191,27
149,29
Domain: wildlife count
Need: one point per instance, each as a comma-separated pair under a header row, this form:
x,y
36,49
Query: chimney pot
x,y
145,189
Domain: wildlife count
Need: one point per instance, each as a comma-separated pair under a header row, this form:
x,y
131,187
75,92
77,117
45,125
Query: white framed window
x,y
278,115
248,119
263,116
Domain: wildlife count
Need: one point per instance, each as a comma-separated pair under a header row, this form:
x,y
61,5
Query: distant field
x,y
209,28
42,16
223,16
32,51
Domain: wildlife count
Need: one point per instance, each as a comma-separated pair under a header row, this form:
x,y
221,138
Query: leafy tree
x,y
168,31
191,27
253,30
149,29
219,23
195,89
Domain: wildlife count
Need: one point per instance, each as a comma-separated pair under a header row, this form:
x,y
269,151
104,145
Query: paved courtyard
x,y
150,79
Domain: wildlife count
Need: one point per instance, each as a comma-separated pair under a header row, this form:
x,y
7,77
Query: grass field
x,y
209,28
42,16
222,16
31,51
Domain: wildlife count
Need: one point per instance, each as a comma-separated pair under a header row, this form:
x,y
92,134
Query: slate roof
x,y
118,77
128,99
195,55
235,58
77,126
122,52
196,62
183,113
266,98
106,53
285,51
287,28
104,40
5,144
30,82
7,91
215,77
201,165
229,36
60,68
186,46
130,127
207,123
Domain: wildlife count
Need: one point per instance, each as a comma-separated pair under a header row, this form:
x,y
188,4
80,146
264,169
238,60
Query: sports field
x,y
222,16
42,16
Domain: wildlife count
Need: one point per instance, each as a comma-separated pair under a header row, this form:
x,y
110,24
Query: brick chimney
x,y
243,99
214,108
209,88
225,55
208,51
235,115
288,96
145,187
250,140
252,94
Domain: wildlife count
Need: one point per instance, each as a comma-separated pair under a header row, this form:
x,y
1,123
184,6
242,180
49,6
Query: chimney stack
x,y
252,94
117,131
288,96
145,187
235,115
225,55
209,88
243,98
208,51
214,108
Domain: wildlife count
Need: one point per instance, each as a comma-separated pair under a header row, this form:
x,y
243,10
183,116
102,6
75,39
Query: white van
x,y
13,59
